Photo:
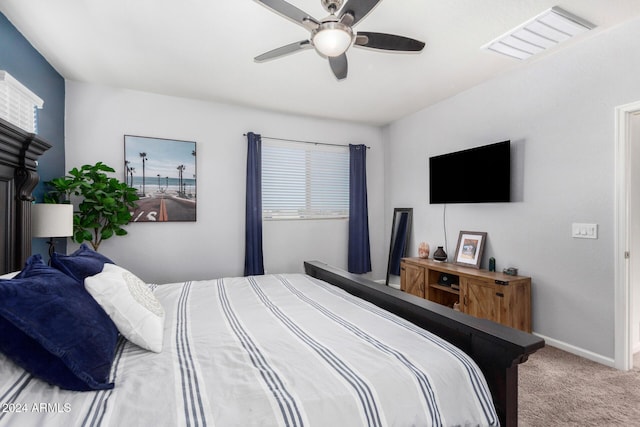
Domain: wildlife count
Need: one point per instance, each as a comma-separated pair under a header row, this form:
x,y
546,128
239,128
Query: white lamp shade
x,y
332,41
51,220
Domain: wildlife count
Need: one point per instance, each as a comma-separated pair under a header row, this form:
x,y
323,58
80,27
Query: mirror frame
x,y
396,214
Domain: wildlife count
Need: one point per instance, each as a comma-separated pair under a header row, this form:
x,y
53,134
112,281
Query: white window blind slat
x,y
304,181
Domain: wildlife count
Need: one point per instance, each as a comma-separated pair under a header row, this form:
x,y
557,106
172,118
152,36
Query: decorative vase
x,y
440,254
423,250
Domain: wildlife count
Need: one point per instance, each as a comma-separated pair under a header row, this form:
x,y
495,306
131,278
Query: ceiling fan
x,y
333,35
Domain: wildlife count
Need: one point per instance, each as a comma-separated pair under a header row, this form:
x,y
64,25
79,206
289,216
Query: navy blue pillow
x,y
55,330
82,263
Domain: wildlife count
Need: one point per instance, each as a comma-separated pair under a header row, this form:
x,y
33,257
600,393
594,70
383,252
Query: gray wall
x,y
559,114
97,119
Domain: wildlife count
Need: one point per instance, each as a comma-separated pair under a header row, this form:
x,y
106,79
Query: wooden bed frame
x,y
497,349
19,152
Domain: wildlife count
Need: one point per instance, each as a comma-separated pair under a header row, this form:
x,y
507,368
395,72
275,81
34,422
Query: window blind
x,y
304,181
18,105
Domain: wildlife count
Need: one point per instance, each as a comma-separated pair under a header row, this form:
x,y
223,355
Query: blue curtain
x,y
253,262
359,255
398,246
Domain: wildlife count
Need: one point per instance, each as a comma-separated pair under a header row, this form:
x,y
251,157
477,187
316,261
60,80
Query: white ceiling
x,y
204,49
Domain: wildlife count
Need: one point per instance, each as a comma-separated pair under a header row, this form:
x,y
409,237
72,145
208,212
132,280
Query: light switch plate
x,y
584,231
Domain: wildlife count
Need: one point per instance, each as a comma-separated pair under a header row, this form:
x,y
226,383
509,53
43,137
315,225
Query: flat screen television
x,y
477,175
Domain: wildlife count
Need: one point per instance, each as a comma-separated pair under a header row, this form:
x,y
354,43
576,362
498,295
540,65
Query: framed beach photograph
x,y
163,171
470,248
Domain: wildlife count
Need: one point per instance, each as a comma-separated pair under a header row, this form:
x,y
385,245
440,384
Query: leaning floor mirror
x,y
400,233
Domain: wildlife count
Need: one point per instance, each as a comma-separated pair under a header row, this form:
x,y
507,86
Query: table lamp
x,y
51,220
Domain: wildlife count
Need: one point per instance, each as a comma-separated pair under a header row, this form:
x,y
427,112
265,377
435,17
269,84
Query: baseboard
x,y
607,361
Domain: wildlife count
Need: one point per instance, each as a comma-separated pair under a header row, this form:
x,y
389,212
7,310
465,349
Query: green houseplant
x,y
104,203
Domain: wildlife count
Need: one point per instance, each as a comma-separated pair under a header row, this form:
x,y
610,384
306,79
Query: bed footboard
x,y
497,349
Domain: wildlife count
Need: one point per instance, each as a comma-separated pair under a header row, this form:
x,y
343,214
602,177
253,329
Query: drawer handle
x,y
499,294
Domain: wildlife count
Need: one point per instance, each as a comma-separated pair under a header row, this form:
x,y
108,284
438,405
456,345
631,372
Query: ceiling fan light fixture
x,y
332,39
332,36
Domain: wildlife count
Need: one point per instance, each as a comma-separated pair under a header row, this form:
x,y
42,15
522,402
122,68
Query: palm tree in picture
x,y
193,153
181,169
144,159
130,172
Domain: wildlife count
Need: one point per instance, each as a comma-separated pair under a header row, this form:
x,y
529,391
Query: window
x,y
304,181
18,105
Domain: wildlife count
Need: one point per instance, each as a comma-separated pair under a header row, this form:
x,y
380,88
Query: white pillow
x,y
9,275
134,309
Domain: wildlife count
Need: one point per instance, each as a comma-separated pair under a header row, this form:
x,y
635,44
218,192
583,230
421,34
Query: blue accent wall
x,y
20,59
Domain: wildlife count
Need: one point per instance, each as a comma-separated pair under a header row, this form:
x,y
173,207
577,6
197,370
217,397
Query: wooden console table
x,y
489,295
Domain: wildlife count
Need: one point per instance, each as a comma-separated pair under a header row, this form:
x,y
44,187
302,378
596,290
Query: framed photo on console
x,y
470,248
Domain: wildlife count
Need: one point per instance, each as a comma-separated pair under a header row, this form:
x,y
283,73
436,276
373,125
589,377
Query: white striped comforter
x,y
275,350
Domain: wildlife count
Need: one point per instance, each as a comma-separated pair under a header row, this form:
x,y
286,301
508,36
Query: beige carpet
x,y
557,388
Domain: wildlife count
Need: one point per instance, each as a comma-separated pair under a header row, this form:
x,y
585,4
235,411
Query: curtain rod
x,y
304,142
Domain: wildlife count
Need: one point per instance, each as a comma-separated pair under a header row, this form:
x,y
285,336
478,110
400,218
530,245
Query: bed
x,y
320,348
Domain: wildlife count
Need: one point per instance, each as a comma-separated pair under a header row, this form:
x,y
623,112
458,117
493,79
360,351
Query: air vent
x,y
543,32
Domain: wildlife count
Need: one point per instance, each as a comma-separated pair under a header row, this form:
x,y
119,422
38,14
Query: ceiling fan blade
x,y
388,42
284,50
347,19
358,9
339,66
291,12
